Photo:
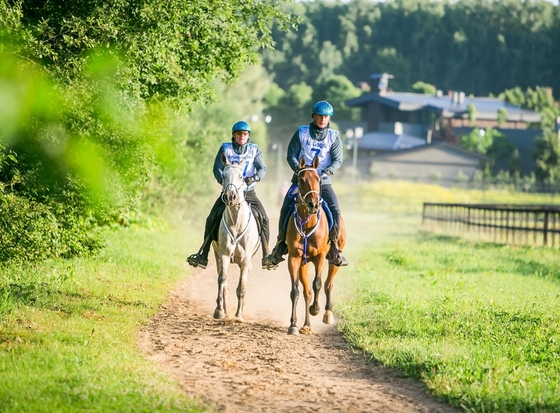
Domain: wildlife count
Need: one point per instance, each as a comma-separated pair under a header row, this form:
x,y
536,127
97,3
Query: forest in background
x,y
480,47
111,111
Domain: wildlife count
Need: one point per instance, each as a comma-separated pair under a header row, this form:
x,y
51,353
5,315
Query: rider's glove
x,y
250,179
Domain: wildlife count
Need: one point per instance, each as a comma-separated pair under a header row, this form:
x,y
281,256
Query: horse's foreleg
x,y
307,292
221,300
317,284
328,318
294,294
245,268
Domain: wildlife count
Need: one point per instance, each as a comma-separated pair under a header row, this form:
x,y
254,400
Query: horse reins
x,y
234,239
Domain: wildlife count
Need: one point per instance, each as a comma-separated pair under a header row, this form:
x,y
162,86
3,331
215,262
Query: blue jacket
x,y
260,166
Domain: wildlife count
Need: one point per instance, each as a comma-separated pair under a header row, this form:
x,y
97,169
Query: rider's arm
x,y
218,165
260,166
294,148
336,152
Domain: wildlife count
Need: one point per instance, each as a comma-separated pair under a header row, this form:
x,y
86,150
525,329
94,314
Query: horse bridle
x,y
231,185
299,223
302,203
234,239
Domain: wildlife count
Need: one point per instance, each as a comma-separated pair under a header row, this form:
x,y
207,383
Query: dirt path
x,y
256,367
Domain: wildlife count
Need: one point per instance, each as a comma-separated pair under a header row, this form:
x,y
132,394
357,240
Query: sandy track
x,y
255,366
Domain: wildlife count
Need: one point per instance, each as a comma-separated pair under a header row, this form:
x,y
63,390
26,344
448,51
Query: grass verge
x,y
478,323
69,329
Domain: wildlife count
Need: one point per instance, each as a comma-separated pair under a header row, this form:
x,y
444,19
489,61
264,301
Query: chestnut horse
x,y
238,237
307,237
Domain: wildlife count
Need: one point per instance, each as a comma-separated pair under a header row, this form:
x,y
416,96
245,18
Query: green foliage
x,y
167,49
540,100
480,47
293,110
471,110
547,157
502,116
475,142
336,89
425,88
90,96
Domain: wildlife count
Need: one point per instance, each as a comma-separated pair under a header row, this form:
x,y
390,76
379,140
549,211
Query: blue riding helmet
x,y
241,125
323,108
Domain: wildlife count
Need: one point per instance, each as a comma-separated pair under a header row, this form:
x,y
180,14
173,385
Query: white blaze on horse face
x,y
309,189
233,184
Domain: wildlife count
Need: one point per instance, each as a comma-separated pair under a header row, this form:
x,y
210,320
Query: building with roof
x,y
442,163
400,120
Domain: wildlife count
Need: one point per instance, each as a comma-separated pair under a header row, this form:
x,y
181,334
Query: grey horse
x,y
238,237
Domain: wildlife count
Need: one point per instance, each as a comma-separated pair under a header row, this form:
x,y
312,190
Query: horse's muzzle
x,y
312,207
231,197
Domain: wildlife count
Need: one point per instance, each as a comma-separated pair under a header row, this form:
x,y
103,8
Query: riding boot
x,y
334,255
266,263
200,259
279,250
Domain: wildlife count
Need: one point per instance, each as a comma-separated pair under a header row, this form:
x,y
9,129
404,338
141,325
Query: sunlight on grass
x,y
68,337
478,323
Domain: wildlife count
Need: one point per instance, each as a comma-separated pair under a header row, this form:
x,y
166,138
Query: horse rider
x,y
237,150
315,139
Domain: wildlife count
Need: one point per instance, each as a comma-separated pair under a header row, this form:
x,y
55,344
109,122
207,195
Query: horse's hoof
x,y
328,318
293,331
219,314
306,330
238,319
314,309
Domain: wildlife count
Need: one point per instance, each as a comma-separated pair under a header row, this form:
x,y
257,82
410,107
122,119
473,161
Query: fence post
x,y
545,228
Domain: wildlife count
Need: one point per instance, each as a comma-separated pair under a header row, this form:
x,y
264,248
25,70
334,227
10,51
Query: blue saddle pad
x,y
292,193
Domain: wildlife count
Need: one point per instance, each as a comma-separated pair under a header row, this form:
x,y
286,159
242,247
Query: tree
x,y
336,89
547,157
471,110
94,90
425,88
502,116
293,110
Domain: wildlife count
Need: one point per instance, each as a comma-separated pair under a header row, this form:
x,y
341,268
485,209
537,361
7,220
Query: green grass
x,y
478,323
69,329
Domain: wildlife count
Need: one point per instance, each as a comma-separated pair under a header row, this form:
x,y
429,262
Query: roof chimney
x,y
455,97
379,82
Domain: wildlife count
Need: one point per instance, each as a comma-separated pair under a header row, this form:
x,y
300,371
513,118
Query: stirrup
x,y
274,258
197,260
267,264
340,261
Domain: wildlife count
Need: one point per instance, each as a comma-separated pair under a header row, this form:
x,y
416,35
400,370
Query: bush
x,y
30,231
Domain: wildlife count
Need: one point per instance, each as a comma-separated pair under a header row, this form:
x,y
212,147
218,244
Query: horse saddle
x,y
292,193
217,217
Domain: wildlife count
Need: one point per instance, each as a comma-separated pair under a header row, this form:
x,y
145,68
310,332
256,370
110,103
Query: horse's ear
x,y
224,159
302,162
242,163
316,162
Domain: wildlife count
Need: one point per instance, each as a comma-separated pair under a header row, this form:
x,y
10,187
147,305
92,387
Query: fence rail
x,y
512,224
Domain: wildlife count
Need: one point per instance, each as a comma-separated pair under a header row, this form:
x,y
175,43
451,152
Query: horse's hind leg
x,y
328,318
245,268
220,311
